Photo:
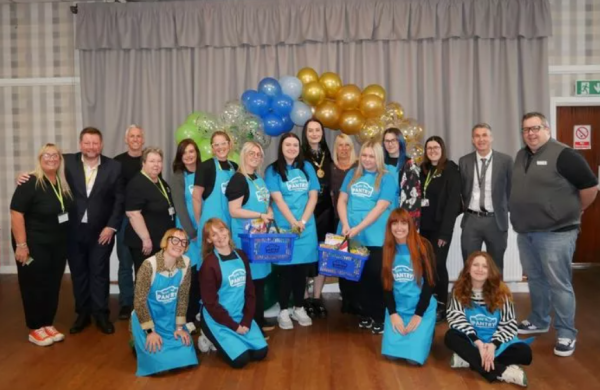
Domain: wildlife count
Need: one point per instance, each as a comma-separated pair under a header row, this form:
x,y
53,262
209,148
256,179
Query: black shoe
x,y
440,316
365,323
105,325
82,322
377,328
310,308
320,310
125,313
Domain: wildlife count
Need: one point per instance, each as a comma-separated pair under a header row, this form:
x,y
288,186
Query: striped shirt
x,y
507,327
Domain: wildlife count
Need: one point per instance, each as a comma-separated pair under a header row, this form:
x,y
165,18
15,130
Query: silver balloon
x,y
263,139
232,113
207,124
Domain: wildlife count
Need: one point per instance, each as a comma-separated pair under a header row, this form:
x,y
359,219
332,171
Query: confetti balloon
x,y
232,113
416,152
371,130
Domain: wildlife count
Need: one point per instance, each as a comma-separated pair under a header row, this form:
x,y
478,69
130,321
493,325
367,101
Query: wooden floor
x,y
332,354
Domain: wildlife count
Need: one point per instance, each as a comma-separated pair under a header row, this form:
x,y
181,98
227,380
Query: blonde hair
x,y
39,174
380,165
343,138
209,247
246,149
149,150
164,241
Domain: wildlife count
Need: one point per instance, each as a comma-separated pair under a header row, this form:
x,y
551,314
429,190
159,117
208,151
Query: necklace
x,y
320,171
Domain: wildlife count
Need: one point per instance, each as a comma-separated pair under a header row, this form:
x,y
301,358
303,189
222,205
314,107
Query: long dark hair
x,y
178,165
402,146
280,165
426,165
322,144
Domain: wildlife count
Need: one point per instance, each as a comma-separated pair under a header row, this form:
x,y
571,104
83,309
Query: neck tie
x,y
482,185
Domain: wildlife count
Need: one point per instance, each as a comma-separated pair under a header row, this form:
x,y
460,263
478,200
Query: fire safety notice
x,y
582,137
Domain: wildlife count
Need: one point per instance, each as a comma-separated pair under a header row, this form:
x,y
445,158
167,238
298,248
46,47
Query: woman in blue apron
x,y
364,206
405,171
408,277
249,201
483,327
162,283
182,187
294,187
228,297
211,182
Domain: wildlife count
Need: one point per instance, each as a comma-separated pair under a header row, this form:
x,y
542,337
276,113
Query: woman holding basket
x,y
294,187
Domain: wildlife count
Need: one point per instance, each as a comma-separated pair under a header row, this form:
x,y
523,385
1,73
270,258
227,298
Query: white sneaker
x,y
40,337
514,374
284,320
564,346
204,344
458,362
299,314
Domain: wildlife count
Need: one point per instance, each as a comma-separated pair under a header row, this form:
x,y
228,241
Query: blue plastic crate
x,y
341,264
268,248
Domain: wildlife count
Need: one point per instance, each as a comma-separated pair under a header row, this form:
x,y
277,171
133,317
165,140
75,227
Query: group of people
x,y
72,205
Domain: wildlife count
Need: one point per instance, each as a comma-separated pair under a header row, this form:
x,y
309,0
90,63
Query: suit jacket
x,y
501,182
105,205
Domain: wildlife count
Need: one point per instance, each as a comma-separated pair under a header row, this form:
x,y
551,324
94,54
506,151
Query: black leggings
x,y
240,361
441,256
194,301
370,286
292,279
460,344
259,306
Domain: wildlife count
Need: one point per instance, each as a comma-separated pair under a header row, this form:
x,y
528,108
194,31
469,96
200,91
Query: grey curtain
x,y
450,76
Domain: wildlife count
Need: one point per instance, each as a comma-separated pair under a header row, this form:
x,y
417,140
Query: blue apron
x,y
486,324
257,201
295,195
193,251
232,298
416,345
216,205
162,304
362,198
394,171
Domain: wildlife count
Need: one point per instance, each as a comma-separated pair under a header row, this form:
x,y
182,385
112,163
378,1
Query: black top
x,y
142,194
129,166
238,186
207,173
41,209
422,305
573,167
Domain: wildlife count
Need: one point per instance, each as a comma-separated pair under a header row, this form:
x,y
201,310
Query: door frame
x,y
566,101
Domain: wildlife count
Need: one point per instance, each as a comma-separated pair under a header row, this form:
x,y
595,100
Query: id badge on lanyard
x,y
62,216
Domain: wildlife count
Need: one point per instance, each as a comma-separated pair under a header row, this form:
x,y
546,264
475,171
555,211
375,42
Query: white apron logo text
x,y
483,321
403,274
224,186
167,295
297,184
362,190
262,194
237,278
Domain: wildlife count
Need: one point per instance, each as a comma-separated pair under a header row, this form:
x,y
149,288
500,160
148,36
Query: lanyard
x,y
483,169
219,165
88,179
162,189
428,180
256,186
58,193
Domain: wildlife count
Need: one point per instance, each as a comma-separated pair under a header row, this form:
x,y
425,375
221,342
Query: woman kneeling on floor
x,y
162,286
408,278
483,328
228,297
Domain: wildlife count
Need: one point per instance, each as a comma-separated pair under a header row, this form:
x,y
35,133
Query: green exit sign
x,y
587,88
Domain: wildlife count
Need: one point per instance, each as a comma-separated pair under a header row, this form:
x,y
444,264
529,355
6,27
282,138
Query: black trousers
x,y
240,361
194,300
40,281
259,307
371,287
89,263
441,257
138,257
349,290
460,344
292,279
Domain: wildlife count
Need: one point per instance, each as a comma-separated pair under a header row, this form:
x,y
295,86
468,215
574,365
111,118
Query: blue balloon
x,y
269,86
288,125
273,125
247,96
282,105
301,113
291,86
258,104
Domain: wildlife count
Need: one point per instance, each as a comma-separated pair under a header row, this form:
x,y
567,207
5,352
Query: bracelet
x,y
22,245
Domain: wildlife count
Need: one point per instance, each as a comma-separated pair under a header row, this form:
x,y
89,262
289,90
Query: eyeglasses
x,y
390,141
433,148
220,144
178,241
50,156
532,129
255,154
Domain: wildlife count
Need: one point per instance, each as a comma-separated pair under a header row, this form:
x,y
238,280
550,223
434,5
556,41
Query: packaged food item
x,y
333,241
254,226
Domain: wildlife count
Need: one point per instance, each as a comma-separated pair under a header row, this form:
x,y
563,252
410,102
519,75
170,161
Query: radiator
x,y
512,264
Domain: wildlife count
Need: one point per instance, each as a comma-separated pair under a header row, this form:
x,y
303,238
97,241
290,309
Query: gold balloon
x,y
374,89
348,97
329,114
307,75
332,84
371,130
411,130
371,106
389,122
416,152
394,110
313,93
351,121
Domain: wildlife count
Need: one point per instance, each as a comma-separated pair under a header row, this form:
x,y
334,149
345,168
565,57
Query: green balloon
x,y
186,131
191,119
205,149
235,157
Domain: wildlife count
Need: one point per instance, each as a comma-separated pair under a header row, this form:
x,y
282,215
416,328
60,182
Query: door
x,y
588,243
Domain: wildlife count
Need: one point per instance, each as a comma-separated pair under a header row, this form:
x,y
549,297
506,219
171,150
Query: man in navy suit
x,y
95,181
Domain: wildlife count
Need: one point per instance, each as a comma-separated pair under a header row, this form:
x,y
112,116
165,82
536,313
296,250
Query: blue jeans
x,y
125,268
546,258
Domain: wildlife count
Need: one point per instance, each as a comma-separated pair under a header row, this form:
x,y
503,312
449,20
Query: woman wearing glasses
x,y
440,205
161,297
211,182
39,222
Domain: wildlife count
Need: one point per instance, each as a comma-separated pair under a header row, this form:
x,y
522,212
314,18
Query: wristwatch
x,y
303,222
148,331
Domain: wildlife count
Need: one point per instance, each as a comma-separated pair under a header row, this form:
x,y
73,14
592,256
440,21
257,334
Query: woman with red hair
x,y
483,328
408,277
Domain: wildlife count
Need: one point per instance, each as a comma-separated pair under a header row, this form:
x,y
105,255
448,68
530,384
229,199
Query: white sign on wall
x,y
582,137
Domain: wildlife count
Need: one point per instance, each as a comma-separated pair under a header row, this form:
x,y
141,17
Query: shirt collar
x,y
88,166
487,157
